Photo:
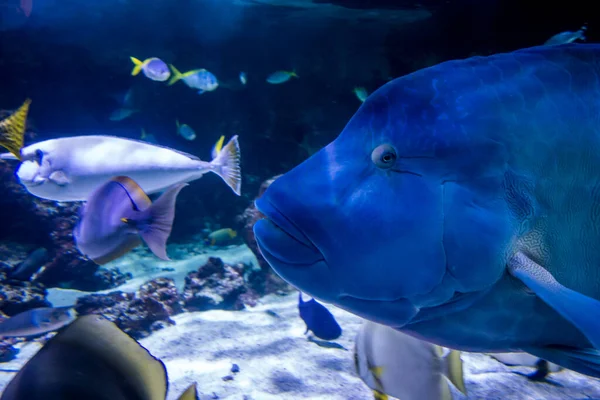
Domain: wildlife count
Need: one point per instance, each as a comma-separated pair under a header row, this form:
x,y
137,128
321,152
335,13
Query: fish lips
x,y
292,255
282,239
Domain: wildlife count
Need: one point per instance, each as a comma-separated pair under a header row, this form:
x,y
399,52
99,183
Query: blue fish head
x,y
401,211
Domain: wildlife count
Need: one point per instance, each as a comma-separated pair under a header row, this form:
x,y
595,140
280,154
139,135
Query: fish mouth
x,y
32,182
280,237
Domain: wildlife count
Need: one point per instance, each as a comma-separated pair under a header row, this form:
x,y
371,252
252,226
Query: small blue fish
x,y
281,77
148,137
117,214
126,107
200,79
243,78
566,37
185,131
153,68
318,319
361,93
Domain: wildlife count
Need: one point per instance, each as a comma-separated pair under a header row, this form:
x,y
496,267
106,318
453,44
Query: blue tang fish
x,y
461,205
119,214
318,319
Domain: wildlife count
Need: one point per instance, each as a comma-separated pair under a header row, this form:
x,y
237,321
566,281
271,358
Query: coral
x,y
38,222
137,314
215,286
267,281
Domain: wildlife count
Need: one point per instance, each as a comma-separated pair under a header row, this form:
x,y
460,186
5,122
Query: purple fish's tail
x,y
160,216
226,164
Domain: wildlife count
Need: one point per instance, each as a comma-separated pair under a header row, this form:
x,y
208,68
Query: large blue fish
x,y
461,205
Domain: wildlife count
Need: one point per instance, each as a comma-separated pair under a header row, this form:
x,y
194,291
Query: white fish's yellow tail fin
x,y
12,130
226,164
191,393
454,370
175,76
137,66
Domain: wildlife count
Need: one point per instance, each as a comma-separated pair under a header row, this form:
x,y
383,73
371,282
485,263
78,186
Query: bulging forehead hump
x,y
424,114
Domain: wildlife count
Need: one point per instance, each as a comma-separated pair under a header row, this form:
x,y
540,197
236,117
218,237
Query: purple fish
x,y
153,68
119,215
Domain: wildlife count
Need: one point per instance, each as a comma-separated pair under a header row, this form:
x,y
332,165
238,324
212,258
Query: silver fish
x,y
36,321
399,365
118,214
70,169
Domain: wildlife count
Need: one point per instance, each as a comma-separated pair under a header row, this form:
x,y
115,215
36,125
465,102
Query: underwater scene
x,y
299,199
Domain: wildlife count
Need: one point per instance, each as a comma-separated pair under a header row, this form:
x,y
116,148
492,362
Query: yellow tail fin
x,y
175,76
218,146
12,130
190,394
138,65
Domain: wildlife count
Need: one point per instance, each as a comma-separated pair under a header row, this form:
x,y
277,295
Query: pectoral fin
x,y
60,178
580,310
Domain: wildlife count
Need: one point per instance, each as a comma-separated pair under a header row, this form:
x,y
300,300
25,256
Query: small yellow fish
x,y
12,130
221,236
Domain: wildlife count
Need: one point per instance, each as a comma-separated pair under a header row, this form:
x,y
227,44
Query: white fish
x,y
399,365
243,78
36,321
71,168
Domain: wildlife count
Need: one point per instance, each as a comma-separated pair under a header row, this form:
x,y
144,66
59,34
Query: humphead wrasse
x,y
460,205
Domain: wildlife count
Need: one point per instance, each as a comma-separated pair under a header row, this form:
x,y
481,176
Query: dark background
x,y
72,58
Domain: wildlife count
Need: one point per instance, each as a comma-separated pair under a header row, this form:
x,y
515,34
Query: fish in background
x,y
12,130
543,367
200,79
92,359
71,168
393,363
567,37
126,108
220,237
318,319
26,7
119,215
243,78
148,137
32,264
360,93
153,68
36,321
278,77
185,131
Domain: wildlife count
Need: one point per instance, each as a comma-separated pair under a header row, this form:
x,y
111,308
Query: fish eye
x,y
39,156
384,156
